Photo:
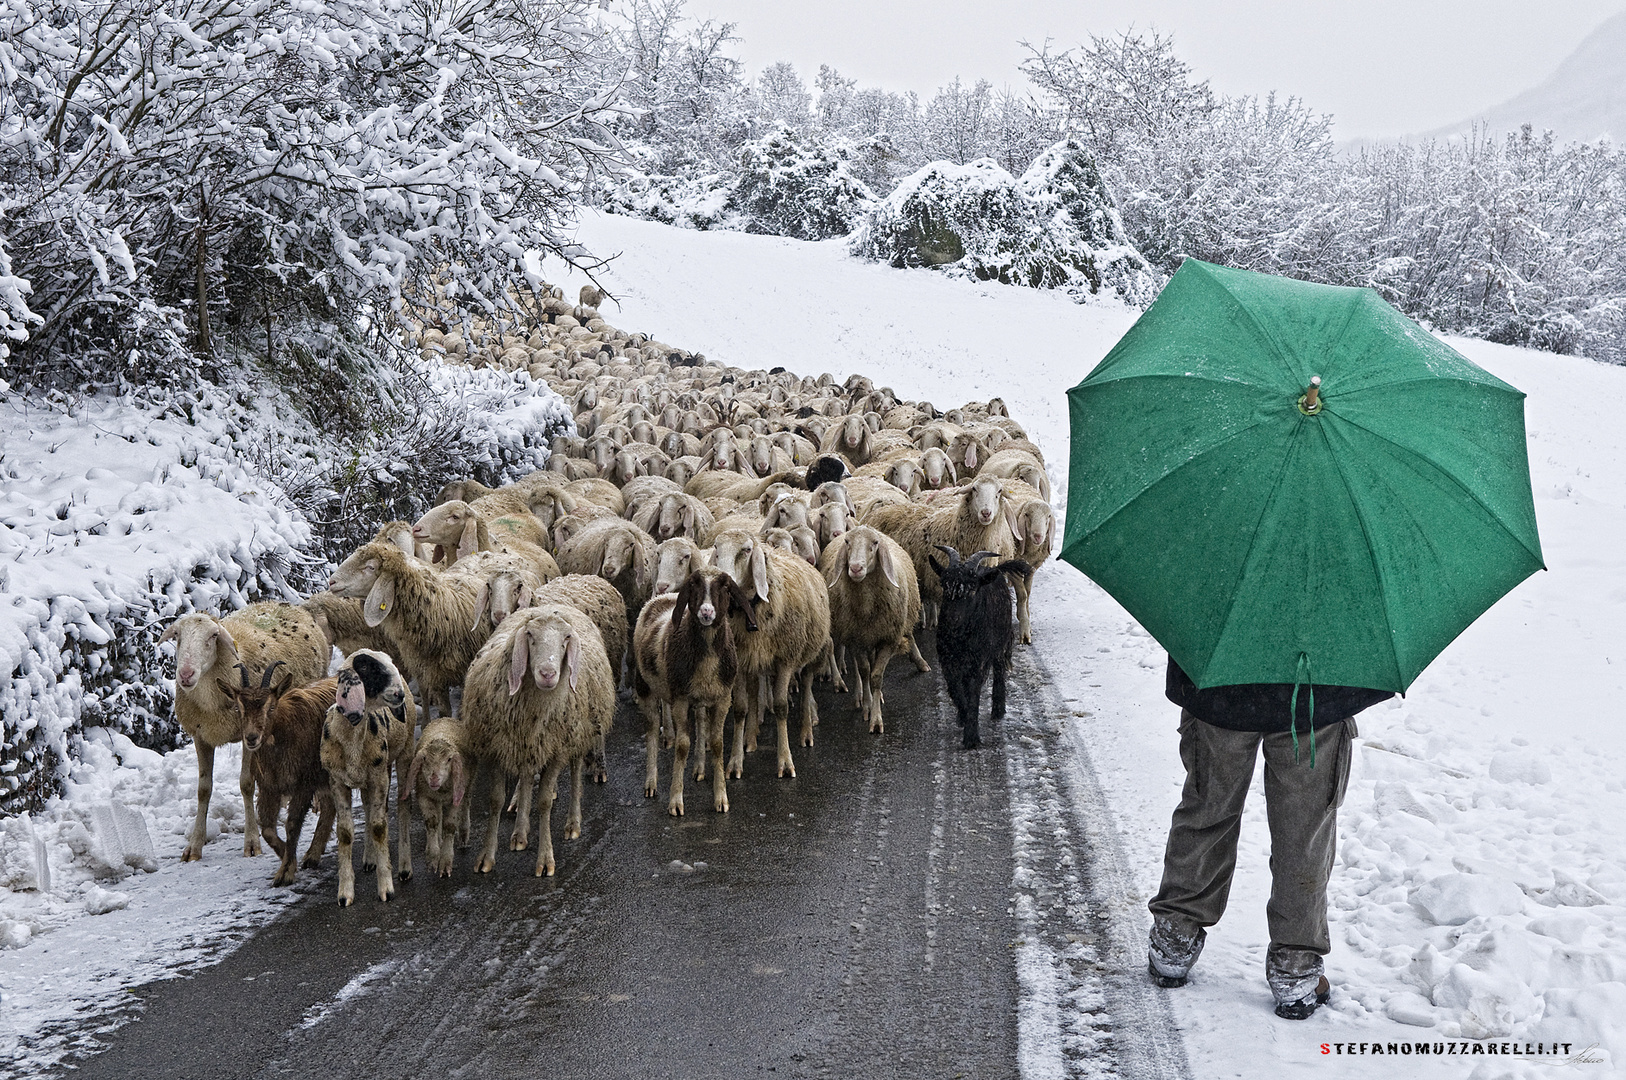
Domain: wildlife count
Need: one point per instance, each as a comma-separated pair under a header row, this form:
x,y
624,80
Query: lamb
x,y
617,551
282,732
686,659
239,648
519,729
874,606
429,616
368,730
974,633
441,762
794,615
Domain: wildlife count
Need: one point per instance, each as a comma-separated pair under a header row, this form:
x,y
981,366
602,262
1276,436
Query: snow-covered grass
x,y
1480,890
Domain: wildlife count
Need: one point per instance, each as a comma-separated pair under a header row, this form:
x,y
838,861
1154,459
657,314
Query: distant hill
x,y
1583,99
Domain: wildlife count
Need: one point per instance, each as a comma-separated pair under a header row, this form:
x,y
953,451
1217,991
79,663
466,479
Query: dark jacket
x,y
1265,706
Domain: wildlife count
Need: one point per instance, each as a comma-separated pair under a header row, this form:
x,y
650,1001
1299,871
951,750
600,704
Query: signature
x,y
1588,1056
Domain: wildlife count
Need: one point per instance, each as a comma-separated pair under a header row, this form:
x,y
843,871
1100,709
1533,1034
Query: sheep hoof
x,y
368,866
251,849
573,832
675,809
787,770
649,791
310,862
405,873
877,728
191,855
721,805
518,843
346,901
485,866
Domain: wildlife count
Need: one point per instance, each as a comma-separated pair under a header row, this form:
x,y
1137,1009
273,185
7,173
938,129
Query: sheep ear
x,y
573,658
759,570
688,519
471,538
1014,525
889,566
517,663
169,634
640,569
380,598
482,598
412,775
459,783
522,598
1050,533
226,688
224,637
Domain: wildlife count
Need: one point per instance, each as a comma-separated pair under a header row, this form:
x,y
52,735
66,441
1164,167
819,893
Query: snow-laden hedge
x,y
118,514
792,185
1055,228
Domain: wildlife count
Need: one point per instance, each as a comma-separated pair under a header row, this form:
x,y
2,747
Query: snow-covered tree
x,y
172,169
791,184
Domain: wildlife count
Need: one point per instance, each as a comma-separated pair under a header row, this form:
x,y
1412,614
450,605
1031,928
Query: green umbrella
x,y
1266,529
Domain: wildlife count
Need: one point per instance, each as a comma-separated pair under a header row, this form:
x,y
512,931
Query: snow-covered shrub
x,y
689,201
793,185
1074,207
1051,230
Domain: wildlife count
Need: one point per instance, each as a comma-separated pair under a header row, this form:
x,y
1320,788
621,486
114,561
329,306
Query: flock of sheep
x,y
711,539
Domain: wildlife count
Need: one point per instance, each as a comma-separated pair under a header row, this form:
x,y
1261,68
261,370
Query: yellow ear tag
x,y
383,607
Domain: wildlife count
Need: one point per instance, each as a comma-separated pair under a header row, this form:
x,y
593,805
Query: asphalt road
x,y
890,912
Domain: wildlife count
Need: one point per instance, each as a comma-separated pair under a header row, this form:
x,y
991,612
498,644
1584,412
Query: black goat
x,y
974,632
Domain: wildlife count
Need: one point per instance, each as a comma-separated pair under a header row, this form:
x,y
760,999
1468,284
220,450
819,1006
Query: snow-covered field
x,y
1481,885
1480,891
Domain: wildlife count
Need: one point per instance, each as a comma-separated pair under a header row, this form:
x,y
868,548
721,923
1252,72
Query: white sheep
x,y
874,606
237,649
518,727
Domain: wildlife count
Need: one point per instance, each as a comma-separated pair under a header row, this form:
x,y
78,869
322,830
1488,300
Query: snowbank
x,y
1481,885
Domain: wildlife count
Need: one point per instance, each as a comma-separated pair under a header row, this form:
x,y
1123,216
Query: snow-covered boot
x,y
1301,1008
1295,981
1172,950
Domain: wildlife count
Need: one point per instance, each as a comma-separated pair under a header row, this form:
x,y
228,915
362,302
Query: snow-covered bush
x,y
1054,229
689,200
174,173
793,185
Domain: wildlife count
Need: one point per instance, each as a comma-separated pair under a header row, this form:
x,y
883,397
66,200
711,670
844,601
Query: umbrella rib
x,y
1460,486
1366,534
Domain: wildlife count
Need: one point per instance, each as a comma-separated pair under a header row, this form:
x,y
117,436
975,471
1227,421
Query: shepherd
x,y
1304,497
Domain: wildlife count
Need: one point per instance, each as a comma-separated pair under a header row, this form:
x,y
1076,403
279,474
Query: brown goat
x,y
282,733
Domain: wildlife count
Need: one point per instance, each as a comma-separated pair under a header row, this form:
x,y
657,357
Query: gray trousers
x,y
1301,805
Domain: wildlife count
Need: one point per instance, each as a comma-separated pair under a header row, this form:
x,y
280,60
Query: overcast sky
x,y
1381,67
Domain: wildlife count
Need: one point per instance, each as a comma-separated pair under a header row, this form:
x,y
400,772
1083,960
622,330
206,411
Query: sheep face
x,y
866,554
440,763
831,491
551,504
1037,524
674,561
711,594
198,644
601,451
676,518
680,472
745,559
502,594
398,533
549,649
362,575
904,475
983,501
804,542
936,470
451,524
854,435
620,556
786,513
833,520
368,674
964,450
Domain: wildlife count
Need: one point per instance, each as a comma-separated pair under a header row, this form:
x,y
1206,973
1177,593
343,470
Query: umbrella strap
x,y
1302,679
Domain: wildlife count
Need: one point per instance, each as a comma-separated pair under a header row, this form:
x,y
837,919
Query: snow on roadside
x,y
1480,891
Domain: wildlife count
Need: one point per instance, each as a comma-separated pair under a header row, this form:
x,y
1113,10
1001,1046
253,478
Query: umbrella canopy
x,y
1265,533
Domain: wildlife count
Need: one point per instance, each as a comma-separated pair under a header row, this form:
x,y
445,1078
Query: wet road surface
x,y
902,908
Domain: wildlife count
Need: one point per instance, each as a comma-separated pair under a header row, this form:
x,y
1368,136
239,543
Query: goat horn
x,y
242,671
265,680
977,558
954,556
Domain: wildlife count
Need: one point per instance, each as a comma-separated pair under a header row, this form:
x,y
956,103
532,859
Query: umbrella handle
x,y
1310,402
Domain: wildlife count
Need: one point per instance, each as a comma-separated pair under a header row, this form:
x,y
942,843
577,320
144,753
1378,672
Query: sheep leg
x,y
859,697
719,780
1024,587
837,670
810,705
494,803
781,716
298,807
601,759
759,708
465,824
573,823
736,760
430,811
319,836
451,821
245,784
914,654
346,823
877,675
521,836
680,755
375,808
544,837
200,823
403,822
652,739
